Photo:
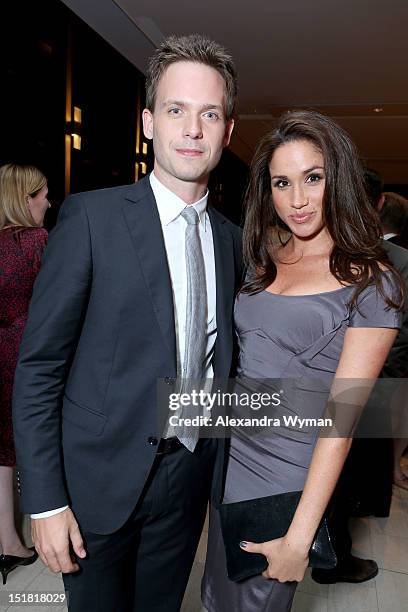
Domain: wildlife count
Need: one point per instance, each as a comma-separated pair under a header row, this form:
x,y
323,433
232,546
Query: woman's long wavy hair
x,y
357,256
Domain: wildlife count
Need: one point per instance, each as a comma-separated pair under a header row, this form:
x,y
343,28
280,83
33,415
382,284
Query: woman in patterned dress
x,y
23,203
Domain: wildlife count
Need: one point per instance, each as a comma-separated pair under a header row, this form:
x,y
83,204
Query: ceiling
x,y
342,57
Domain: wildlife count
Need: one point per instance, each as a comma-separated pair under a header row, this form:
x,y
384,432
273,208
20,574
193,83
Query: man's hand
x,y
52,536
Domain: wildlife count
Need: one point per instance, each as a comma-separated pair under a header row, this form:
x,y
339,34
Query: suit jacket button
x,y
153,441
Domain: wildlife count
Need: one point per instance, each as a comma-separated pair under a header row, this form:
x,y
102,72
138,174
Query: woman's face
x,y
297,183
38,205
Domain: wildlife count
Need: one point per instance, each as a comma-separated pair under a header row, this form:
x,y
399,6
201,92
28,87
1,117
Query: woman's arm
x,y
363,355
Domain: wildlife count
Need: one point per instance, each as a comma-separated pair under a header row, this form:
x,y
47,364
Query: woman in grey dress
x,y
320,306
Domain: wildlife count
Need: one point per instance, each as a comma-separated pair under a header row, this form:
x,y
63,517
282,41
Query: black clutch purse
x,y
261,520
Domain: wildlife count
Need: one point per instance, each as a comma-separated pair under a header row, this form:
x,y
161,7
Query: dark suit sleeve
x,y
396,365
55,318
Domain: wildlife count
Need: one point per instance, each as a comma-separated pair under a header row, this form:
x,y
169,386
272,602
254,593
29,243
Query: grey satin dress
x,y
290,337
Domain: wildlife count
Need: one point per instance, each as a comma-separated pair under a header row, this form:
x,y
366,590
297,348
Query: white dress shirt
x,y
174,226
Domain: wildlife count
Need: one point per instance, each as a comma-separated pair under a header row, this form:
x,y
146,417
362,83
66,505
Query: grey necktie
x,y
196,309
196,325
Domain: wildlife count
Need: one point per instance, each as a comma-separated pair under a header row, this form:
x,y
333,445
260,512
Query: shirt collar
x,y
170,206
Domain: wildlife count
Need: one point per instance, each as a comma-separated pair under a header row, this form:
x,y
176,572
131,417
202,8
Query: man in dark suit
x,y
137,285
393,210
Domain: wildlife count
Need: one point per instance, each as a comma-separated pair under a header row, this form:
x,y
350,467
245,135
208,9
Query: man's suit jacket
x,y
100,333
369,469
396,365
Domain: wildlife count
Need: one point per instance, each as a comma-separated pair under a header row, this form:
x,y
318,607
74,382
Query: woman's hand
x,y
287,561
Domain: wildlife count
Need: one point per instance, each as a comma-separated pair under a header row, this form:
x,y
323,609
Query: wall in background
x,y
59,79
52,62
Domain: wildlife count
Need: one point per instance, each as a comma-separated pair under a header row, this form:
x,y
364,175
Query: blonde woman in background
x,y
23,203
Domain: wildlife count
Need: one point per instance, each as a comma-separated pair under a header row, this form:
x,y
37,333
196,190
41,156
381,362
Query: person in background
x,y
365,485
393,209
23,203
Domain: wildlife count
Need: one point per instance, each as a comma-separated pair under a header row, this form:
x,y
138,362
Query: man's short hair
x,y
193,48
394,212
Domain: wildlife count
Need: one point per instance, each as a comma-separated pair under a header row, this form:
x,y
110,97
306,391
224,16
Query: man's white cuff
x,y
48,513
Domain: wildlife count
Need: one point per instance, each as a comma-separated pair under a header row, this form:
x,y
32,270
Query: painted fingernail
x,y
243,544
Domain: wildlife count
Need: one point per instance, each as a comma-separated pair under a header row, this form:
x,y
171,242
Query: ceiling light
x,y
378,109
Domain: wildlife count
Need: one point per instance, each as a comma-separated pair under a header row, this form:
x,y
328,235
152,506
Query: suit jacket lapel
x,y
143,221
224,275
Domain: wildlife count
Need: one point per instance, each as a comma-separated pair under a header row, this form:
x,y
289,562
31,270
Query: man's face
x,y
188,126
